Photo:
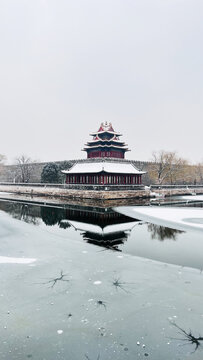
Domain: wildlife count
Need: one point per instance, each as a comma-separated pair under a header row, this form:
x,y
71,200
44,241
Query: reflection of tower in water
x,y
101,227
109,241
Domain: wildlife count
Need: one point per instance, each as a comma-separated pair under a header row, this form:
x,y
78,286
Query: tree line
x,y
165,168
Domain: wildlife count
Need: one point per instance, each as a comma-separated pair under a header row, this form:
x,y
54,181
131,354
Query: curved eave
x,y
102,171
106,132
100,140
106,146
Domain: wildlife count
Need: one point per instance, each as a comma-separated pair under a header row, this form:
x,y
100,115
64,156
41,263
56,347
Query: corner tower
x,y
106,143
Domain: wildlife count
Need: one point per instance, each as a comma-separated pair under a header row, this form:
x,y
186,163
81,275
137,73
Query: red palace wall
x,y
114,154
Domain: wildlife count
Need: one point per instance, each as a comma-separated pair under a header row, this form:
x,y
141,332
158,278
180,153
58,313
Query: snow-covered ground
x,y
176,218
75,302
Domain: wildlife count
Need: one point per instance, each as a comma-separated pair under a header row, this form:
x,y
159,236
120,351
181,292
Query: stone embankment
x,y
73,193
102,193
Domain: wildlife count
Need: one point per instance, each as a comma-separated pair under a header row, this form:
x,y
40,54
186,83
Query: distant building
x,y
105,163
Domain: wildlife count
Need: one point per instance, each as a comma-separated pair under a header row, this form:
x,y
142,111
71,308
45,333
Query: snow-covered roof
x,y
108,167
176,218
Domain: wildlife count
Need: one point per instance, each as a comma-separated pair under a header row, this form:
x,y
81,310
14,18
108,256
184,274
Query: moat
x,y
86,282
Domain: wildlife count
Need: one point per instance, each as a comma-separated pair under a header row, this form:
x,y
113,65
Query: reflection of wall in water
x,y
52,215
20,211
61,216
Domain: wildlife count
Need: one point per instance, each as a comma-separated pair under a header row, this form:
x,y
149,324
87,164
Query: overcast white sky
x,y
68,65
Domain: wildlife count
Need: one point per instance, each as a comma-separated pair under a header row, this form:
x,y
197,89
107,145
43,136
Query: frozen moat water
x,y
86,284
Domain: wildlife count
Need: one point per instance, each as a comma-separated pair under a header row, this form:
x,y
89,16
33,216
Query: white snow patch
x,y
13,260
176,218
98,282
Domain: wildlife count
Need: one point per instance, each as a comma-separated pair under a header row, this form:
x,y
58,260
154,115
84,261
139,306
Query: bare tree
x,y
167,167
159,170
24,168
2,160
199,173
179,170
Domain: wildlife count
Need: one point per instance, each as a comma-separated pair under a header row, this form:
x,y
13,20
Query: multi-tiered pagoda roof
x,y
105,164
106,143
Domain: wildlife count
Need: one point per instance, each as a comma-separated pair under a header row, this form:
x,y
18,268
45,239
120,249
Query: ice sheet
x,y
81,303
176,218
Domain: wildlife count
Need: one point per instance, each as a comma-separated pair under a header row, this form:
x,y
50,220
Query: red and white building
x,y
106,143
105,163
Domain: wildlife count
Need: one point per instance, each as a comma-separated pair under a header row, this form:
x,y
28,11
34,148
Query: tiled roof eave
x,y
106,146
105,131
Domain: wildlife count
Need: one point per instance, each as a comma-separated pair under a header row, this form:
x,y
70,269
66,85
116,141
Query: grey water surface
x,y
83,282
